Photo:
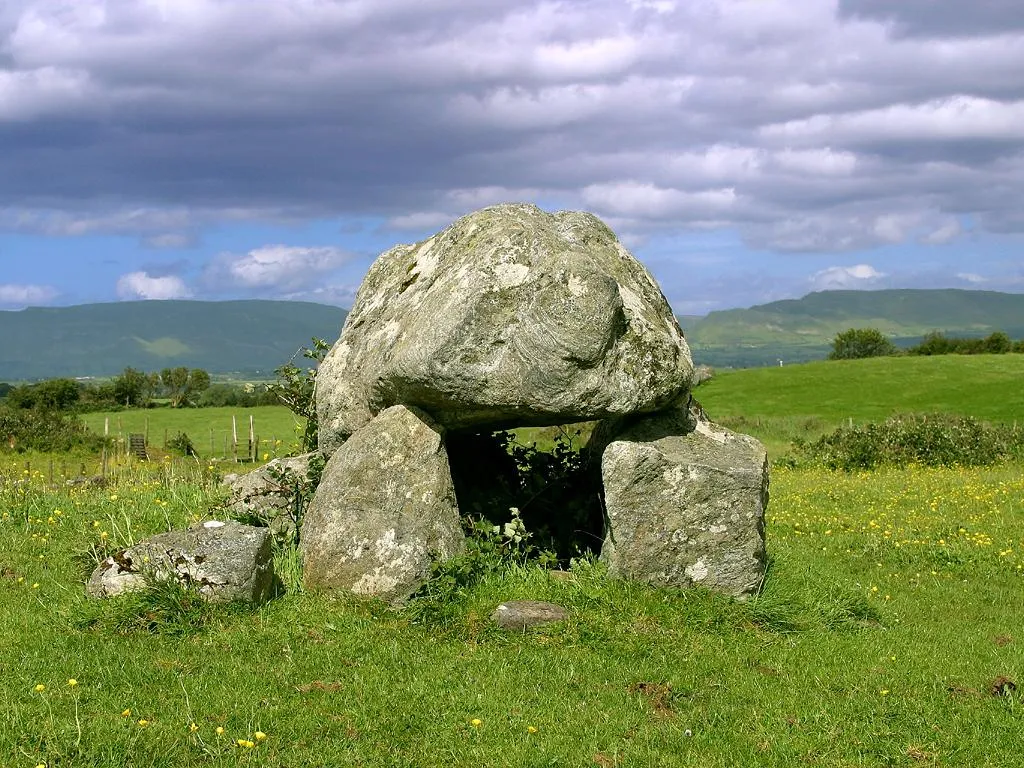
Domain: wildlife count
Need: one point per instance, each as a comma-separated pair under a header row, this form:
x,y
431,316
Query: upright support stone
x,y
685,500
384,508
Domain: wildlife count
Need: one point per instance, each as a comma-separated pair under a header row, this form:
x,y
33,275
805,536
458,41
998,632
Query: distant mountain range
x,y
797,330
249,339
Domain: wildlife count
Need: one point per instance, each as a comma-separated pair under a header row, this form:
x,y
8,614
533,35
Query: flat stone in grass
x,y
522,614
224,561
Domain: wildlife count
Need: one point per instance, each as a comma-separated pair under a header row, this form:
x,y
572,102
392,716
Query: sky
x,y
744,150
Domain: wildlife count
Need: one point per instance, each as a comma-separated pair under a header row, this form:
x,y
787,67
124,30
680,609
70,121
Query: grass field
x,y
210,429
782,403
888,634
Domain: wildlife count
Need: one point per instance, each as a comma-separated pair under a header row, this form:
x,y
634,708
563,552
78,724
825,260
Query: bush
x,y
933,440
295,388
490,549
182,443
935,343
860,342
553,493
44,430
53,394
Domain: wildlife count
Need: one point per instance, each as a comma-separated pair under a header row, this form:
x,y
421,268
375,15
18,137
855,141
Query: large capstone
x,y
509,317
384,509
224,561
685,501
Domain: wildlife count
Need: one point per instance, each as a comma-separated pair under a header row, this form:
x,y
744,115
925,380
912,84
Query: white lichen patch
x,y
697,571
577,286
510,275
426,258
707,429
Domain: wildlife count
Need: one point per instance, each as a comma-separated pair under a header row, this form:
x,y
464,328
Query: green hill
x,y
797,330
222,337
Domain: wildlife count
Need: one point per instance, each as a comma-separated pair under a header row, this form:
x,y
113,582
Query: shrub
x,y
554,493
182,443
53,394
489,550
857,343
935,343
933,440
44,430
295,388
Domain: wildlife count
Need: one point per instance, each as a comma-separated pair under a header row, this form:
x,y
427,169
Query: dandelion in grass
x,y
259,736
245,743
126,713
39,688
220,730
72,682
193,728
143,723
531,729
476,722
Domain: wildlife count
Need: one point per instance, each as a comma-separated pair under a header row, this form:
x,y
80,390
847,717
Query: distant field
x,y
780,403
210,429
984,386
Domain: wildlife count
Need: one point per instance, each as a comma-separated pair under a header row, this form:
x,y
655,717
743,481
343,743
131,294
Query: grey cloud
x,y
949,18
804,127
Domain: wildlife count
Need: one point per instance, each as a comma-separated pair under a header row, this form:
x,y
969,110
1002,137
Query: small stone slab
x,y
225,561
522,614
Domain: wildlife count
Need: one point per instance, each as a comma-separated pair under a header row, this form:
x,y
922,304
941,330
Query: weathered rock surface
x,y
385,505
224,561
509,317
267,494
685,500
522,614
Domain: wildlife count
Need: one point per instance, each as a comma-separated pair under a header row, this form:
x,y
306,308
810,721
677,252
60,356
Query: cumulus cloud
x,y
278,270
142,285
845,278
823,125
14,296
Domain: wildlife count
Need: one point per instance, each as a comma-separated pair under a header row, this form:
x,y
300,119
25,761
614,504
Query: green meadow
x,y
887,633
779,404
211,430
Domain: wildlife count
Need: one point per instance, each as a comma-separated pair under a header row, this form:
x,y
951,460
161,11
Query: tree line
x,y
870,342
175,387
